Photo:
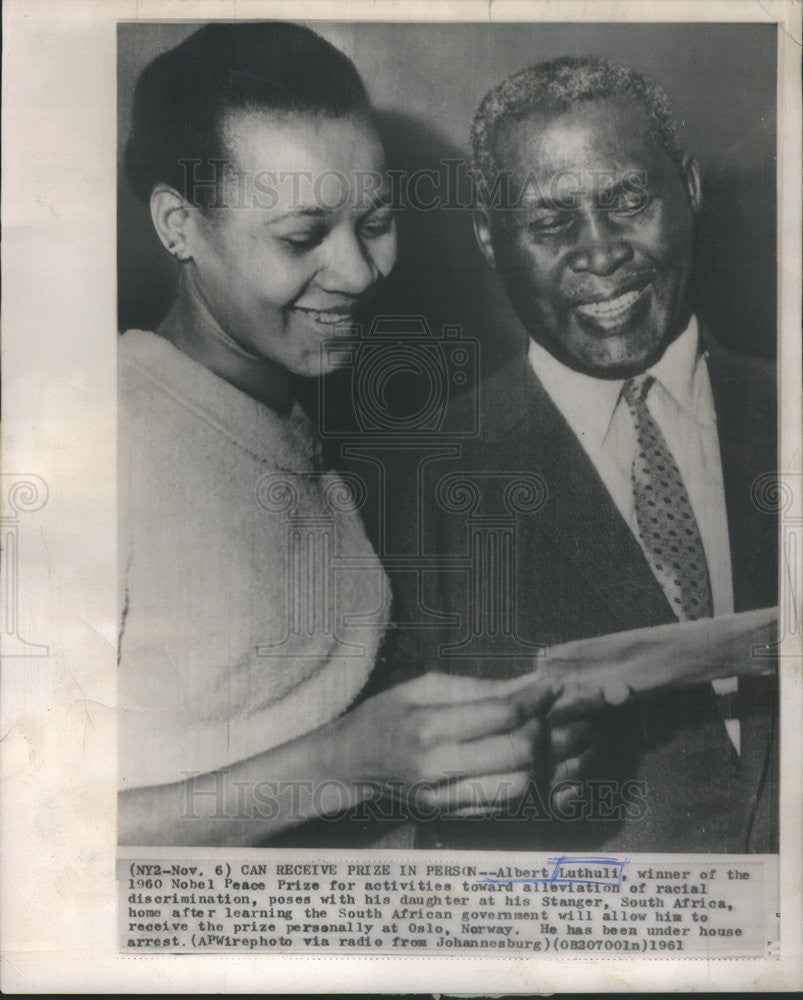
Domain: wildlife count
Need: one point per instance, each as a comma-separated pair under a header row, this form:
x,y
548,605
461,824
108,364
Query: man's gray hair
x,y
555,87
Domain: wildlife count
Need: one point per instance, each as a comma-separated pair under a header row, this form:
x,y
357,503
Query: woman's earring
x,y
178,250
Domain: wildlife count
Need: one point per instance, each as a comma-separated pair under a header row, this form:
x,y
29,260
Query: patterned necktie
x,y
666,522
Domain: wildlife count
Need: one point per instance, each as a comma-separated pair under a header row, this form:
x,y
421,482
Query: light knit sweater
x,y
252,602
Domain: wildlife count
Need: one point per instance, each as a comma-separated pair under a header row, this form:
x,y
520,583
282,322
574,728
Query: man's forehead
x,y
614,130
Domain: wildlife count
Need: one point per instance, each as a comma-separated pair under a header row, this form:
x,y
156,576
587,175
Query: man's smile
x,y
612,312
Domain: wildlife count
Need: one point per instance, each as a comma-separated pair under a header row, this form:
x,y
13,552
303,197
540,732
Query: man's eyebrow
x,y
633,181
528,205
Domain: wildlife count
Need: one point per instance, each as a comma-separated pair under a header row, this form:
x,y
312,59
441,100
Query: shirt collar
x,y
677,367
588,403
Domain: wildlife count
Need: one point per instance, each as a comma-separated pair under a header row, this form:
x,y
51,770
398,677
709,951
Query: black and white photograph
x,y
401,415
428,482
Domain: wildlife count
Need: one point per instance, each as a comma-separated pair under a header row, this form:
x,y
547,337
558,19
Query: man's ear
x,y
690,176
482,232
170,214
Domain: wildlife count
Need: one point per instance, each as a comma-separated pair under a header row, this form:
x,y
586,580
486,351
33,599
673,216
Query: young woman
x,y
241,648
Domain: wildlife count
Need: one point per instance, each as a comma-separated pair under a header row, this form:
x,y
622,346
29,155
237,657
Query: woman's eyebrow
x,y
376,203
381,199
305,211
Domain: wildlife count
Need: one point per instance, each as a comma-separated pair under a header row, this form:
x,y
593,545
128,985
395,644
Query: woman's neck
x,y
191,328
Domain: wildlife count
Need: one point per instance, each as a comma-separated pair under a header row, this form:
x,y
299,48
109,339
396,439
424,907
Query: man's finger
x,y
577,700
569,740
616,691
574,703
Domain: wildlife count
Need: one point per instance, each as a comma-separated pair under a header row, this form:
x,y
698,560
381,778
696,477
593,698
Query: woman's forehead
x,y
259,139
300,164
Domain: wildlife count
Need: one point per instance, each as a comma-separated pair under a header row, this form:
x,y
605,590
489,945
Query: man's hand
x,y
571,749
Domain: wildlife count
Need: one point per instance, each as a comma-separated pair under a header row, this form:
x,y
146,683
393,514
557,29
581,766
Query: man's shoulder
x,y
731,370
745,393
496,408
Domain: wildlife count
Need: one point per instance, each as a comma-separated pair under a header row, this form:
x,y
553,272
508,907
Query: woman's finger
x,y
482,717
444,689
485,795
565,798
573,768
512,751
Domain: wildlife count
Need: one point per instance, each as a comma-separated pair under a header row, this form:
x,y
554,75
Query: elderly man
x,y
644,437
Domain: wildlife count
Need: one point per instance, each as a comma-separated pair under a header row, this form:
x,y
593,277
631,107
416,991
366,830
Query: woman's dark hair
x,y
182,96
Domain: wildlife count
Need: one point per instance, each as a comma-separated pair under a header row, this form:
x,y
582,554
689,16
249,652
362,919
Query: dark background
x,y
427,80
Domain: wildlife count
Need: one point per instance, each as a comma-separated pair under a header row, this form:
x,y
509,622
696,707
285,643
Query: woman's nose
x,y
600,248
350,268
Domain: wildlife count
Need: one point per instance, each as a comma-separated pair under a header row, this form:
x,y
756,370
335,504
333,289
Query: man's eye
x,y
548,225
630,202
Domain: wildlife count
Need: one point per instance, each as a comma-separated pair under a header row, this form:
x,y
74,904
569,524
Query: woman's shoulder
x,y
150,366
164,391
145,357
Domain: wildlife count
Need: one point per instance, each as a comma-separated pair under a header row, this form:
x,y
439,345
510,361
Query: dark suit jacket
x,y
553,561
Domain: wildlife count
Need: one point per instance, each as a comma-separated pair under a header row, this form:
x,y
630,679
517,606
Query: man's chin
x,y
613,358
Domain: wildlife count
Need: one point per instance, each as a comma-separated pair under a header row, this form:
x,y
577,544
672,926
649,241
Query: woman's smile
x,y
327,318
283,279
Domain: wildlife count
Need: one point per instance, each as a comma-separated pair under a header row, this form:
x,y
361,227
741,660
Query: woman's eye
x,y
301,241
378,225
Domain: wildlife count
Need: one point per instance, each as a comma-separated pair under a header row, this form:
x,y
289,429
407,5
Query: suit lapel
x,y
525,430
746,407
579,515
746,424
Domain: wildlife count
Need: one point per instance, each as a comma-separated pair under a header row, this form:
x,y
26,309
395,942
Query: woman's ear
x,y
482,232
170,215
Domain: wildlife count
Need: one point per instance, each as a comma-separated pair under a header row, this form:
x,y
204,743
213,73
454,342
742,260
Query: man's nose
x,y
601,247
350,267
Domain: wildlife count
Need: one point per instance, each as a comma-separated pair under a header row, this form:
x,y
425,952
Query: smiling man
x,y
646,439
596,251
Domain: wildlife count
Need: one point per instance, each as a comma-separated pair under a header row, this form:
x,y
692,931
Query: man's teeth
x,y
609,306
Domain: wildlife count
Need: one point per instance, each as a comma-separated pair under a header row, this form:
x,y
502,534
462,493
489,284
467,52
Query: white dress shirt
x,y
682,404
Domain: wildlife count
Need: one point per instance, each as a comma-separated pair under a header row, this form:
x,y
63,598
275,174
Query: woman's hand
x,y
447,742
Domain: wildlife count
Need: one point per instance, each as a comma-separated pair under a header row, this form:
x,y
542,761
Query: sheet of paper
x,y
648,659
